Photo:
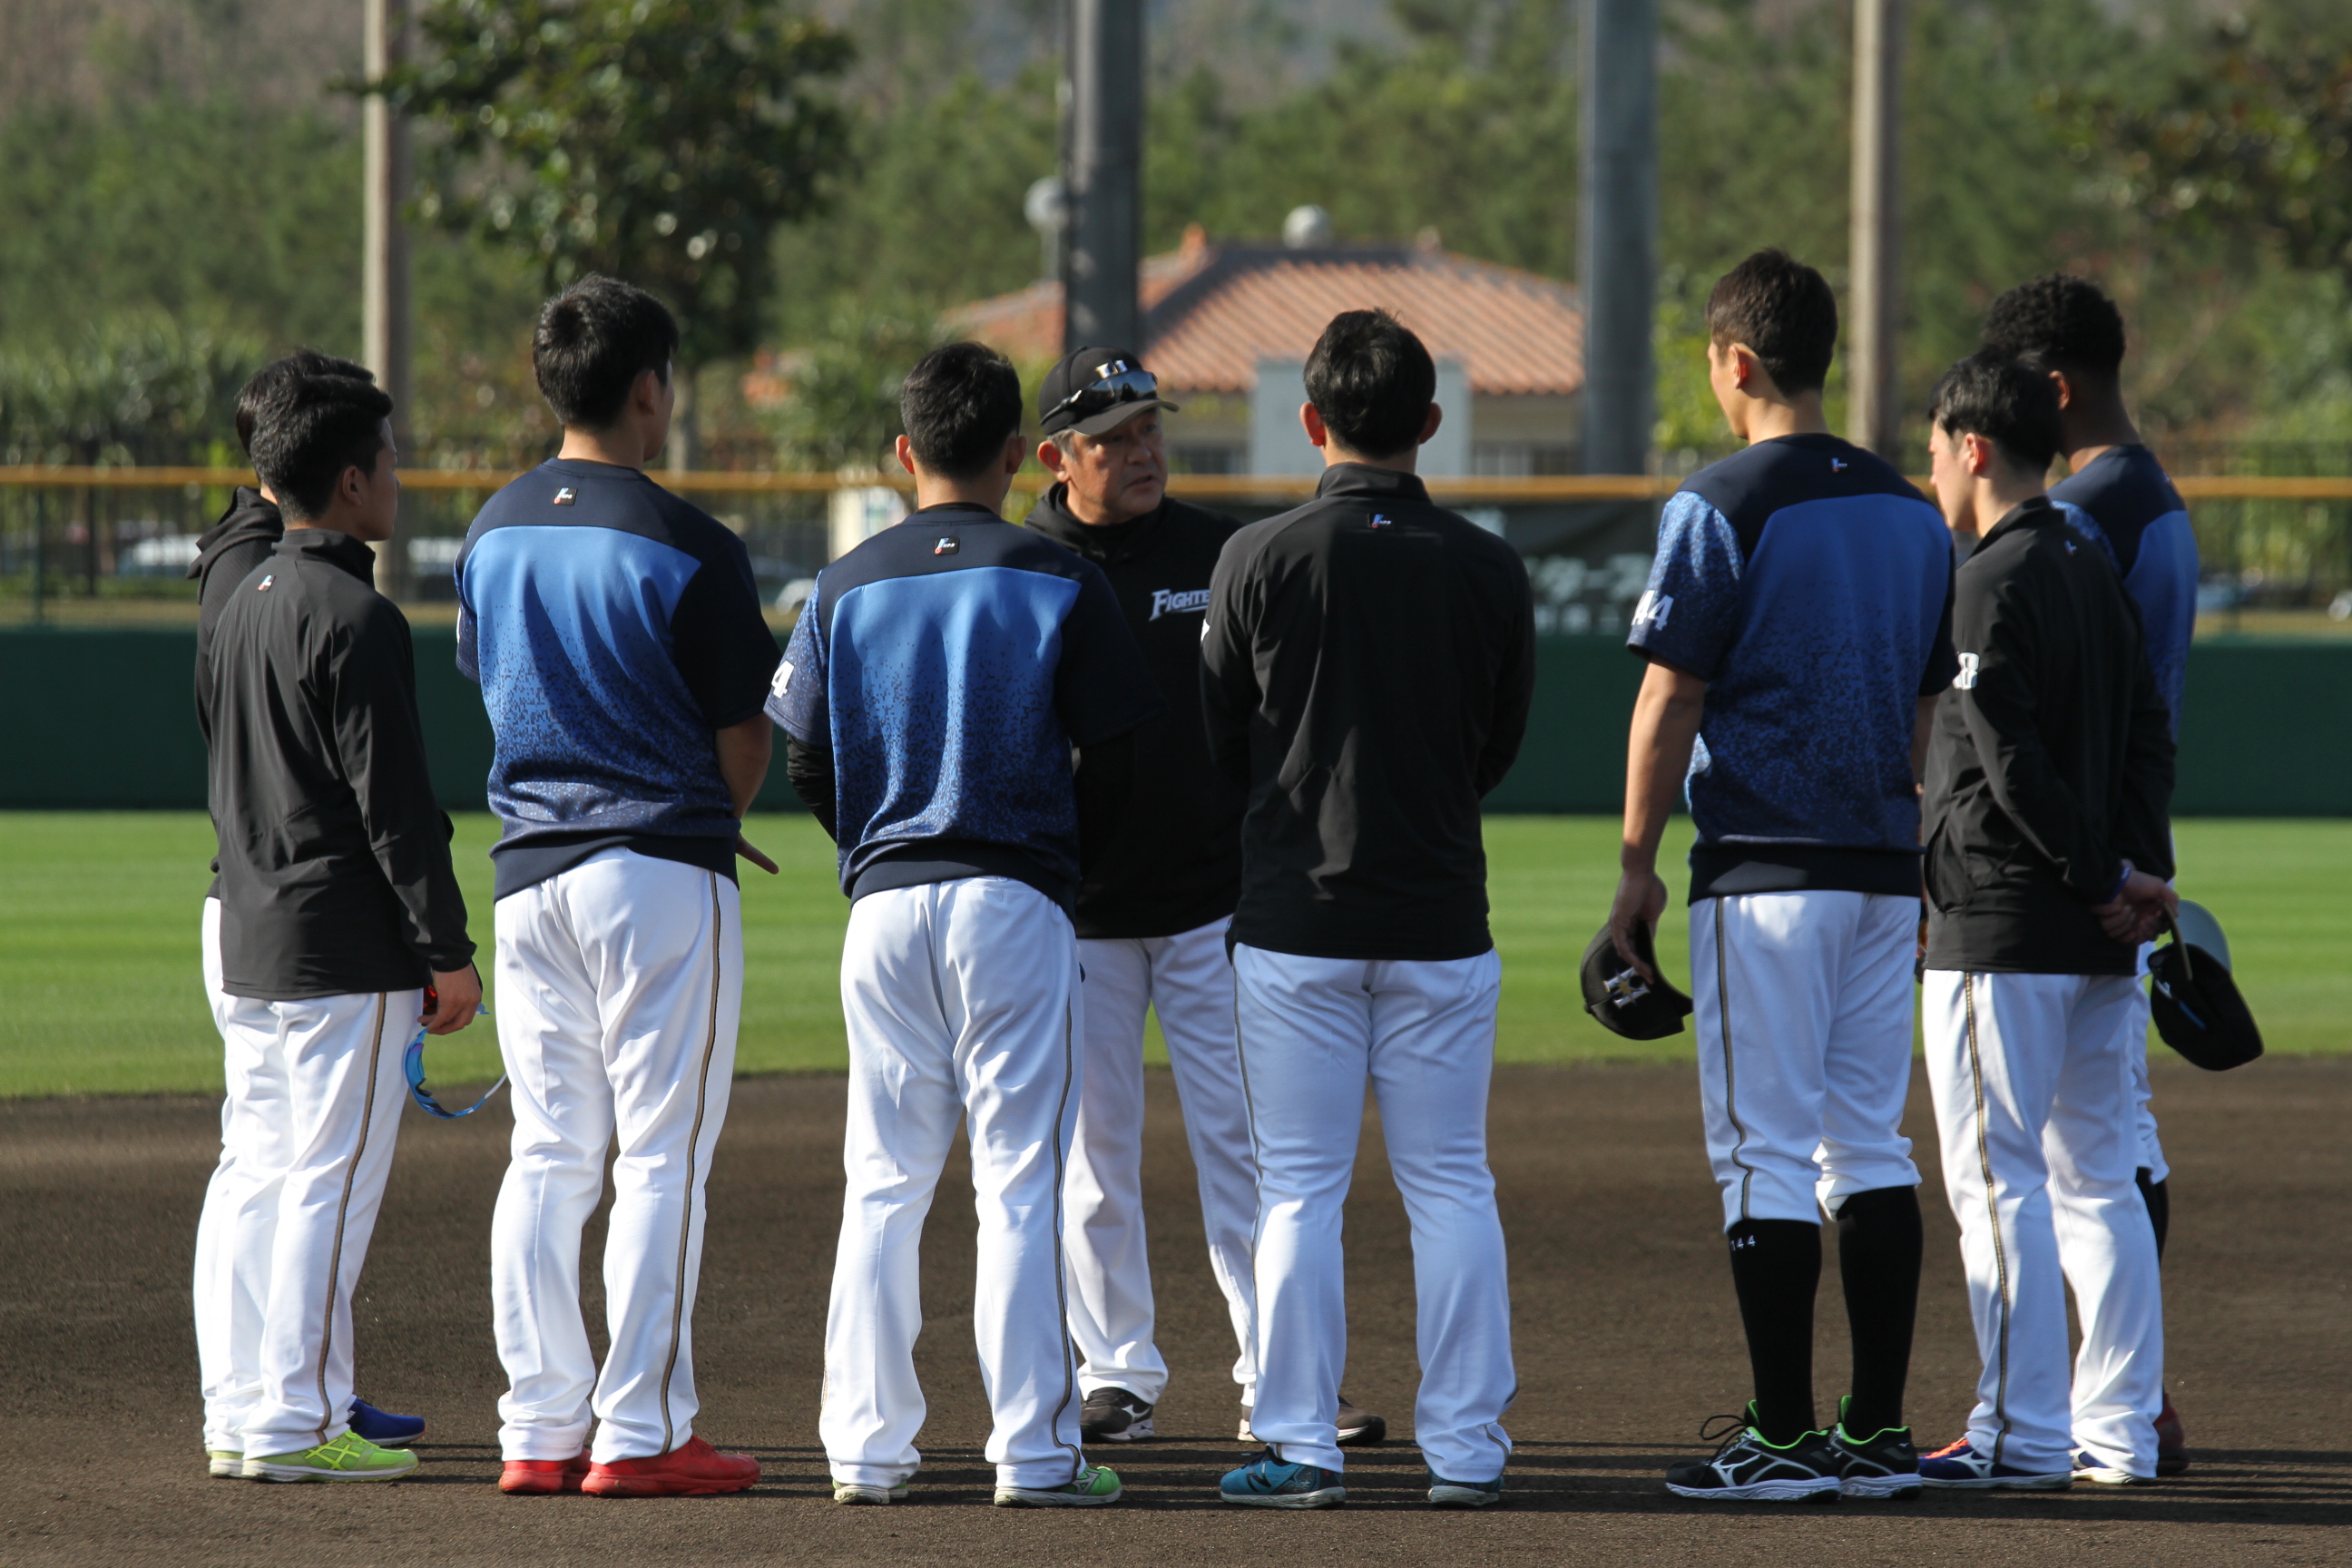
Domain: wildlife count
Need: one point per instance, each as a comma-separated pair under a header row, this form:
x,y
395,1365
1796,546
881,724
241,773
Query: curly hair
x,y
2058,323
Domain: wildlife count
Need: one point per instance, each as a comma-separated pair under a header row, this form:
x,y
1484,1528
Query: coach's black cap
x,y
1624,1002
1095,389
2195,1003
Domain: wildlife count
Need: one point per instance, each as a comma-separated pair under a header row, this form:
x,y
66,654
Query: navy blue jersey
x,y
2124,492
1810,585
950,662
614,628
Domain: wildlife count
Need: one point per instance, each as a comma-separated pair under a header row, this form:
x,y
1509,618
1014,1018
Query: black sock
x,y
2158,1198
1776,1267
1878,1255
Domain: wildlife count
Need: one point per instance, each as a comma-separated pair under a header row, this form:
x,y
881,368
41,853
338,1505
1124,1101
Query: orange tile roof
x,y
1213,312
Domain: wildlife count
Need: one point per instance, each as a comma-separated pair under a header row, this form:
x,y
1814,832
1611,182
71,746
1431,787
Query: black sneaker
x,y
1114,1415
1359,1428
1883,1465
1746,1468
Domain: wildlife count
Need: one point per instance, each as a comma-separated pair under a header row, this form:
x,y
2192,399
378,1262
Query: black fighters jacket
x,y
2052,761
334,855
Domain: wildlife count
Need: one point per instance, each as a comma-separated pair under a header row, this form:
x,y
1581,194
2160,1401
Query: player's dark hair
x,y
2059,322
311,431
1372,380
1782,310
591,343
272,381
959,404
2009,403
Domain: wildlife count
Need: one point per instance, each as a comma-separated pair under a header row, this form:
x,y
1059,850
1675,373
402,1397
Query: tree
x,y
659,140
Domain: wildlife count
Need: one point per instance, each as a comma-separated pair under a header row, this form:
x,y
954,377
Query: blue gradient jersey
x,y
950,662
1810,585
2126,493
614,628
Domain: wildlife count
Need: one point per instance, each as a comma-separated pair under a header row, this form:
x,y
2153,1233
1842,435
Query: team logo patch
x,y
1967,678
1653,609
1173,601
1839,465
1379,521
263,586
566,496
947,546
1626,987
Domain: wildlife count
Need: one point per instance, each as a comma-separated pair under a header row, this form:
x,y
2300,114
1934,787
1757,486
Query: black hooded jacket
x,y
227,554
334,854
1171,861
2052,759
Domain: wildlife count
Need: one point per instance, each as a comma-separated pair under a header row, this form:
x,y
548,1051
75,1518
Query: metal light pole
x,y
1105,174
1873,414
1617,240
383,265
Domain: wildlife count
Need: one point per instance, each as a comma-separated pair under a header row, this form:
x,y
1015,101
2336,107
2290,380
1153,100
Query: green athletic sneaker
x,y
350,1457
1096,1486
225,1466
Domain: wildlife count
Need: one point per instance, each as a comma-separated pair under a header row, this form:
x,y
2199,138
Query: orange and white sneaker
x,y
693,1469
522,1477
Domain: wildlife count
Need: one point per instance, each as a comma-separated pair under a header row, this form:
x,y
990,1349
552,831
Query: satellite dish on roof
x,y
1307,226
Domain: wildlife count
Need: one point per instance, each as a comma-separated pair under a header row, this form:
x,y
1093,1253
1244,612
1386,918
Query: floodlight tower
x,y
1617,237
1103,174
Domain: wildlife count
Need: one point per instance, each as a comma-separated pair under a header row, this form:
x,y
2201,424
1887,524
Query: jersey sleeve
x,y
470,631
721,640
796,698
1102,687
1690,612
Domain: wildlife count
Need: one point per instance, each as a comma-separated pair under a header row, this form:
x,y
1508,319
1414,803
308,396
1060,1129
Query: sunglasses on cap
x,y
1121,385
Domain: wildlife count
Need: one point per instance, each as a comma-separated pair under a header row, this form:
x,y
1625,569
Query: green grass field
x,y
99,991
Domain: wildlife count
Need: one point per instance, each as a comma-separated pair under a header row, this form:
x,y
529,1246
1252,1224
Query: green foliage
x,y
129,390
661,141
842,409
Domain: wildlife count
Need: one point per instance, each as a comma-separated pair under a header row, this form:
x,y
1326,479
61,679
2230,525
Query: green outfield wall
x,y
98,718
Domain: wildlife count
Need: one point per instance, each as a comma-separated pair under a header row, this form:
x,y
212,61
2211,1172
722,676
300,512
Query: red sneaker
x,y
2171,1442
523,1476
693,1469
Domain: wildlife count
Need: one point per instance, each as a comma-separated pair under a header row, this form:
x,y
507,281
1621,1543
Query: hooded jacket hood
x,y
251,520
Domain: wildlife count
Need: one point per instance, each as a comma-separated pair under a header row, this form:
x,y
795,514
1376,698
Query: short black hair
x,y
2058,322
959,404
591,343
272,381
1782,310
314,428
2005,401
1372,380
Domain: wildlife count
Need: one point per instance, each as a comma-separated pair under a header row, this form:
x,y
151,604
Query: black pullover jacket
x,y
1367,666
1172,857
334,857
227,550
2051,758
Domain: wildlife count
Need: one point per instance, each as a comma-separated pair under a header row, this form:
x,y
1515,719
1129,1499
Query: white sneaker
x,y
869,1493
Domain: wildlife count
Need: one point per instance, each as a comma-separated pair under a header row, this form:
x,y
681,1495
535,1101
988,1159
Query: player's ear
x,y
1049,457
1311,421
906,453
1016,452
2066,388
1429,426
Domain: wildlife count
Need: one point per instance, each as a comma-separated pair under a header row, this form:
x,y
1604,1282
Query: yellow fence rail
x,y
1197,487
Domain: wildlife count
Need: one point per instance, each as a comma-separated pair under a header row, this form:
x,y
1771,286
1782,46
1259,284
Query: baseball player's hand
x,y
2137,912
1641,898
452,1002
750,852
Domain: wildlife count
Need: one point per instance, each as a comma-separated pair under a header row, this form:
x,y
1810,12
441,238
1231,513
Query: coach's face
x,y
1122,473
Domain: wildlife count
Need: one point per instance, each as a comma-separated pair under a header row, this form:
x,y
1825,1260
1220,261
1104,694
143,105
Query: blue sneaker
x,y
1267,1482
1444,1493
1959,1467
382,1428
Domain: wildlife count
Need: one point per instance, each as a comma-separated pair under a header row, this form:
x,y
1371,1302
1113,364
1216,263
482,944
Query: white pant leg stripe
x,y
342,1208
693,1155
1723,1009
1993,1211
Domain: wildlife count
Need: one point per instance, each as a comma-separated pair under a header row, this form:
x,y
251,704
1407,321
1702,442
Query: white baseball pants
x,y
1187,979
620,984
961,1001
2033,1098
1803,1002
2136,1047
307,1134
1313,1032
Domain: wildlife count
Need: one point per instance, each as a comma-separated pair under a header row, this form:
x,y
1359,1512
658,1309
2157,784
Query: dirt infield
x,y
1625,1329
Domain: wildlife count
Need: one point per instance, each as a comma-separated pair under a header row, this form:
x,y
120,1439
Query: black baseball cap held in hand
x,y
1096,389
2195,1003
1624,1002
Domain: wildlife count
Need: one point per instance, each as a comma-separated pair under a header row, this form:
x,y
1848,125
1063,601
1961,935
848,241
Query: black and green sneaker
x,y
1883,1465
1746,1468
